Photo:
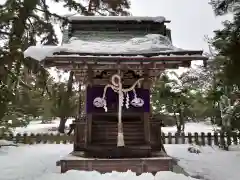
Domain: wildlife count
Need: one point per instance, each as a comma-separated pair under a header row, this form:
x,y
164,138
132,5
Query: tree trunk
x,y
61,127
66,97
177,123
179,129
183,127
162,145
180,121
181,118
180,125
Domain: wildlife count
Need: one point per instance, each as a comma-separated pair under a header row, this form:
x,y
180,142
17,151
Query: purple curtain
x,y
112,100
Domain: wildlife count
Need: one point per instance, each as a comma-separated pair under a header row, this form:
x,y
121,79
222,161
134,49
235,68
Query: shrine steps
x,y
105,133
138,151
75,161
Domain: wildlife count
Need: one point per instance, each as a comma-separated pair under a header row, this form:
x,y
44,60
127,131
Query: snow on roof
x,y
41,52
151,43
158,19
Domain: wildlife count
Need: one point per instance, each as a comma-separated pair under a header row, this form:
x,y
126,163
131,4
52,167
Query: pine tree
x,y
227,40
227,44
173,96
22,23
222,7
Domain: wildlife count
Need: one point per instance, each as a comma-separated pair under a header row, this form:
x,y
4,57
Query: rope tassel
x,y
120,138
117,87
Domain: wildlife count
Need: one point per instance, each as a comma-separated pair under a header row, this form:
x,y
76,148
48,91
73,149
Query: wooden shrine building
x,y
118,59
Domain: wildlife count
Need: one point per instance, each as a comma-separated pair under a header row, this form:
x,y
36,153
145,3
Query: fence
x,y
190,138
203,139
45,138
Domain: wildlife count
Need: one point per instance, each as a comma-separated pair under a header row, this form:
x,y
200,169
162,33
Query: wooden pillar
x,y
80,108
146,115
89,115
76,140
80,125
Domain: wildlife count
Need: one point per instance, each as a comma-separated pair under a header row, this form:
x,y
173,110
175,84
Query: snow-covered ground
x,y
30,162
192,128
38,162
74,175
37,127
211,164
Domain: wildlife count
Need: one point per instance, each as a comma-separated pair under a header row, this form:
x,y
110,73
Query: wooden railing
x,y
45,138
190,138
202,138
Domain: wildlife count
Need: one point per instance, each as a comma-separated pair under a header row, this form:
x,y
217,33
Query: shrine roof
x,y
123,59
157,19
142,54
147,47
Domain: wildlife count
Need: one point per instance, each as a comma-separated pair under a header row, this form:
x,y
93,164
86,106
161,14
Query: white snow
x,y
145,44
37,162
5,143
74,175
37,127
192,127
41,52
211,164
158,19
30,162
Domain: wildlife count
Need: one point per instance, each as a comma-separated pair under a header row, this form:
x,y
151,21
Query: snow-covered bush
x,y
193,149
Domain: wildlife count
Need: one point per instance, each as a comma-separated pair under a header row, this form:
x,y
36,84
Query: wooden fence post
x,y
58,140
235,138
38,138
32,138
222,139
216,143
18,138
176,138
203,143
183,138
9,137
163,138
209,139
229,138
169,138
196,138
51,138
25,139
190,138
